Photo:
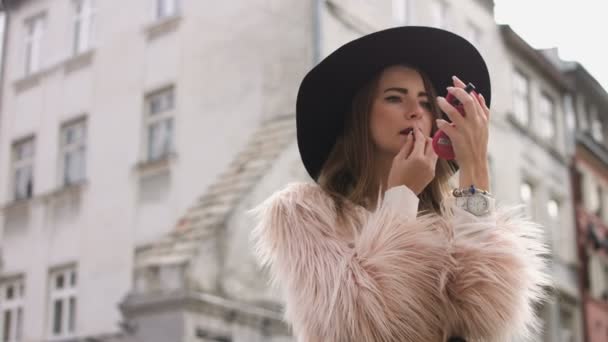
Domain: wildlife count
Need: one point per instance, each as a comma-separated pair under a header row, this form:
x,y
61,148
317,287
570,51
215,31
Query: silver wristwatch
x,y
477,202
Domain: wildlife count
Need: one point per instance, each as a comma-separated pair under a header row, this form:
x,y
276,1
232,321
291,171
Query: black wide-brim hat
x,y
326,92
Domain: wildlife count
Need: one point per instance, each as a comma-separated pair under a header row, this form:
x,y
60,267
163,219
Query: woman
x,y
380,248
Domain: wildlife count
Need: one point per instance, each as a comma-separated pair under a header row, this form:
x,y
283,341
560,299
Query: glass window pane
x,y
57,316
520,97
77,33
525,192
161,102
23,182
72,315
9,292
73,279
7,326
546,122
553,209
59,282
19,327
160,139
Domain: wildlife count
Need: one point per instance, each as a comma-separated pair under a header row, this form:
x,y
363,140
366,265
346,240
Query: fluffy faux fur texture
x,y
383,277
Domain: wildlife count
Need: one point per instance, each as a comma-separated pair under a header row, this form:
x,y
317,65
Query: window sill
x,y
28,81
79,61
154,167
547,144
16,205
73,189
162,26
69,65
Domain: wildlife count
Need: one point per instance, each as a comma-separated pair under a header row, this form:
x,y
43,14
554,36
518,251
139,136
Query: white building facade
x,y
134,137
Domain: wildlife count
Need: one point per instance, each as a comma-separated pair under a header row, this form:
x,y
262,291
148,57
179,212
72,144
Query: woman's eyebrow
x,y
405,91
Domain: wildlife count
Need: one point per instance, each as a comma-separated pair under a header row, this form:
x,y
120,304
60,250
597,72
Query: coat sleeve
x,y
385,286
499,273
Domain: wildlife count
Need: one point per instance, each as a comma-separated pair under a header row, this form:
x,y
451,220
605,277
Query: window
x,y
400,11
34,29
597,131
526,194
591,193
23,166
166,8
553,211
546,118
570,115
2,29
73,152
83,25
472,33
11,307
521,103
438,13
62,303
160,111
567,324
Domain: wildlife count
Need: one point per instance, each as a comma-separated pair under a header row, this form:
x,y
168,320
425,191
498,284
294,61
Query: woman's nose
x,y
414,111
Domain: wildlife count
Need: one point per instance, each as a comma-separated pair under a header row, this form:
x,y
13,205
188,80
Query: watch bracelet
x,y
469,191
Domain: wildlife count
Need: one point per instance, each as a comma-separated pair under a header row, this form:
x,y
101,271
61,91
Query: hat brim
x,y
326,92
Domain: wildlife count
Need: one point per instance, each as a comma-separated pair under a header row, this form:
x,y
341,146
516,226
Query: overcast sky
x,y
577,28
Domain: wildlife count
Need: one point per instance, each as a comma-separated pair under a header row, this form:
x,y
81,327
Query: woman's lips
x,y
406,131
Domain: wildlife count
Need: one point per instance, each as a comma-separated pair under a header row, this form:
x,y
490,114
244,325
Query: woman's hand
x,y
414,165
469,134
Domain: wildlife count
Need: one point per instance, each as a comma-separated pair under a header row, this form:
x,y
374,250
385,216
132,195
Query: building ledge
x,y
69,65
548,146
79,61
17,205
162,27
201,302
155,167
74,189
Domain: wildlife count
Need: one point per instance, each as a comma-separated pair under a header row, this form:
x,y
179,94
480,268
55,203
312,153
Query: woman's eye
x,y
426,105
393,99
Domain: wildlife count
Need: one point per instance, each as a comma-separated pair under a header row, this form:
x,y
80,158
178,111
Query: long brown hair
x,y
349,173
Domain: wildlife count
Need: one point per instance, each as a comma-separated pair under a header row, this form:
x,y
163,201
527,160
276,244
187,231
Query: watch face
x,y
478,204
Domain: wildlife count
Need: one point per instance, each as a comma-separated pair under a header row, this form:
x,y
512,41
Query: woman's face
x,y
400,102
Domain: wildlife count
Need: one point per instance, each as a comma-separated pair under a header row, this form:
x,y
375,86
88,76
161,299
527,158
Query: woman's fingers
x,y
447,128
450,111
457,82
428,149
419,144
484,106
467,101
406,149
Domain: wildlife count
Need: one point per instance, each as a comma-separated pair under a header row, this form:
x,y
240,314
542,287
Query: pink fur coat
x,y
389,275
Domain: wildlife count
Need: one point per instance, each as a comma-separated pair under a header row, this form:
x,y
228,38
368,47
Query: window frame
x,y
24,163
66,148
66,296
82,26
33,43
152,119
547,121
15,306
520,95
